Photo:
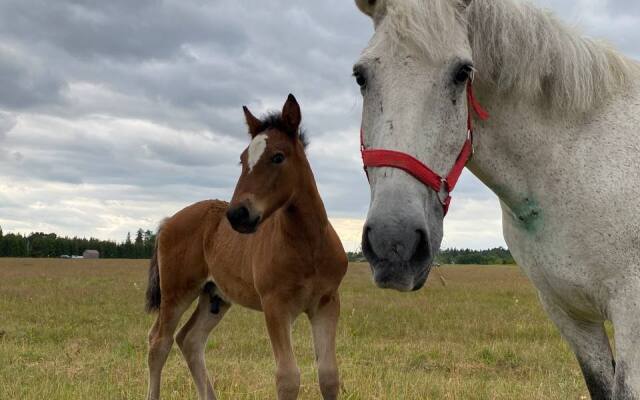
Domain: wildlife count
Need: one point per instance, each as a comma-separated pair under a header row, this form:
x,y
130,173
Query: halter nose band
x,y
395,159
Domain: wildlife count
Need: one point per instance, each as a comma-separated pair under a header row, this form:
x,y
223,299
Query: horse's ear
x,y
367,6
291,114
253,123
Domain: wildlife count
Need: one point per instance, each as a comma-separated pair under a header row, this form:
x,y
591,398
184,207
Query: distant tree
x,y
139,244
13,245
149,243
127,248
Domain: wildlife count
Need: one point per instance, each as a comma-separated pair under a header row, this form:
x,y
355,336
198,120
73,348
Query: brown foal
x,y
272,249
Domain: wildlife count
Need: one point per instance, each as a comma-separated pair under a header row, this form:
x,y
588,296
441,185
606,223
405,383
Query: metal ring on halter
x,y
444,191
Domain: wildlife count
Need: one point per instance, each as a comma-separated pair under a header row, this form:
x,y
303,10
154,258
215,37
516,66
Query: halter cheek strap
x,y
373,158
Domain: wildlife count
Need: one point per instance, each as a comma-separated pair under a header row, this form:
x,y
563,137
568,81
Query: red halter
x,y
395,159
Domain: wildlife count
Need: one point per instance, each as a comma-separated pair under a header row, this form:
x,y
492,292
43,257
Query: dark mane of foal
x,y
273,120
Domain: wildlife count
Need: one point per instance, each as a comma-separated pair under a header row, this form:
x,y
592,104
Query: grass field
x,y
75,329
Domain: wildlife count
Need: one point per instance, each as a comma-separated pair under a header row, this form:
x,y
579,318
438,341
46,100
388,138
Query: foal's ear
x,y
367,6
291,114
253,123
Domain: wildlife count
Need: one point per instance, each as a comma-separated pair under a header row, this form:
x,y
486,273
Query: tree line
x,y
39,244
498,255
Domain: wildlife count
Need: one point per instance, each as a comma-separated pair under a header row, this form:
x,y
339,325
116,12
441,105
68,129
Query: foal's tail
x,y
153,287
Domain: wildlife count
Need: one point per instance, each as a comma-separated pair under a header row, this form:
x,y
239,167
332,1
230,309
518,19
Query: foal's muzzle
x,y
399,255
242,220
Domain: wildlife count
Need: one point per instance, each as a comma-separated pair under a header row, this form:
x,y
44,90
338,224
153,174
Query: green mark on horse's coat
x,y
528,215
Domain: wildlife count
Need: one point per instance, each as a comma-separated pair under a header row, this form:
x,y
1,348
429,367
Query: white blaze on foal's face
x,y
256,149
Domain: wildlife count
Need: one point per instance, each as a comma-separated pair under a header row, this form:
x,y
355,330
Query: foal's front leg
x,y
279,318
324,323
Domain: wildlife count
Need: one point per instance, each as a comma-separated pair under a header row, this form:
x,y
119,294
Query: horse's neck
x,y
304,218
510,146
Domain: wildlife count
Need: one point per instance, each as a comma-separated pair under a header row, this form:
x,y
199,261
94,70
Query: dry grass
x,y
74,329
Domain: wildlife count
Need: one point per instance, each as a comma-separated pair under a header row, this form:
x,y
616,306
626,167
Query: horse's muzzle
x,y
399,256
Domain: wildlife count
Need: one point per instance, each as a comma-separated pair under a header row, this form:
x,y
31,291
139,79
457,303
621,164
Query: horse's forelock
x,y
431,25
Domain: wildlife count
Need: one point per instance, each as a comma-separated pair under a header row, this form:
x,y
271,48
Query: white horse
x,y
560,151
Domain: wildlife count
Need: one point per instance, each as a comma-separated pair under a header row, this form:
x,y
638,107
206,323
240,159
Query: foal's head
x,y
273,166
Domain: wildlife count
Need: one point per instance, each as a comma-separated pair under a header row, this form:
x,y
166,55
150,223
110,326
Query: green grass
x,y
75,329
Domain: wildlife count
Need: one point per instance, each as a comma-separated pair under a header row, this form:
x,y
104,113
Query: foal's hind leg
x,y
324,322
192,339
161,340
590,344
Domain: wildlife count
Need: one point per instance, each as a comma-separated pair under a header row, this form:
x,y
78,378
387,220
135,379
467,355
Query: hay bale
x,y
91,254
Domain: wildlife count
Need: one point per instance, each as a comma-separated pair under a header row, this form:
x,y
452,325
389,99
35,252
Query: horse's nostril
x,y
243,212
366,241
421,251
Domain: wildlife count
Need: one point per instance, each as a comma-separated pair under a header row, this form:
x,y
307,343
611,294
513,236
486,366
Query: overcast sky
x,y
115,114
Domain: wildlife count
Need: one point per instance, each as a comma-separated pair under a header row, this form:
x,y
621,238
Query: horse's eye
x,y
360,79
277,158
463,74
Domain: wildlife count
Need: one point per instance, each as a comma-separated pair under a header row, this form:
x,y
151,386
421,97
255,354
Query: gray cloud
x,y
7,123
26,80
129,30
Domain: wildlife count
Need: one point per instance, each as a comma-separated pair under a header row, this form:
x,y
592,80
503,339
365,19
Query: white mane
x,y
516,47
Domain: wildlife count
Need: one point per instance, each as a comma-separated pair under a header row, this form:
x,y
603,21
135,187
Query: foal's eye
x,y
277,158
463,74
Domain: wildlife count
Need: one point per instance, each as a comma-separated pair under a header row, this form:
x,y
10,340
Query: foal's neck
x,y
304,216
